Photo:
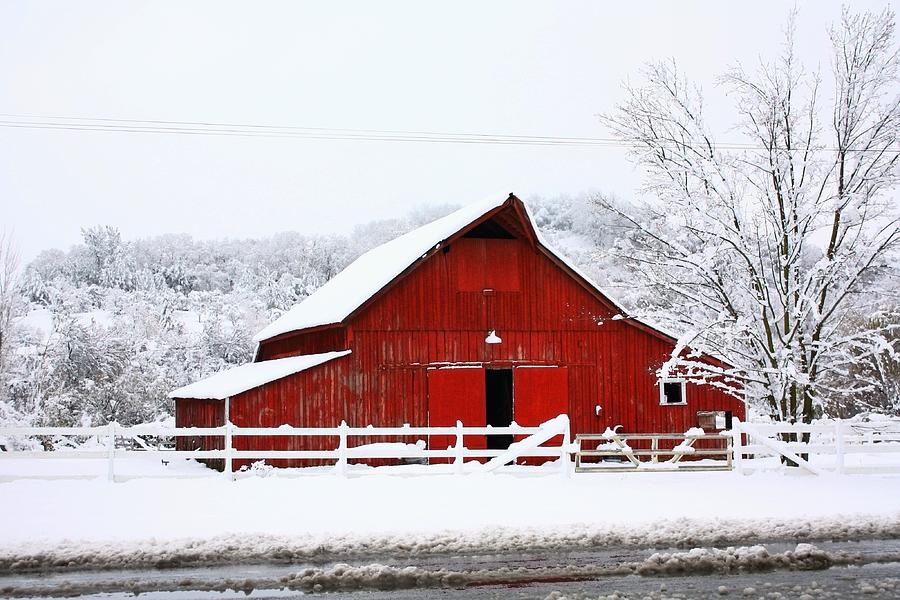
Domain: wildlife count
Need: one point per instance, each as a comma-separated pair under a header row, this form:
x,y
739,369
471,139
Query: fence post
x,y
341,465
459,459
229,475
737,446
839,440
564,451
111,449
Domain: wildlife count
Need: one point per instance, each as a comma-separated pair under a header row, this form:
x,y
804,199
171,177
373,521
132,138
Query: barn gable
x,y
369,274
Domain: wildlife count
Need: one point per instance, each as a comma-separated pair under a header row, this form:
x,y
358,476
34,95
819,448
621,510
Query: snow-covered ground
x,y
12,469
143,522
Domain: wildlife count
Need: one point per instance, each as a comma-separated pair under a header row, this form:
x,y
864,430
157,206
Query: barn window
x,y
672,391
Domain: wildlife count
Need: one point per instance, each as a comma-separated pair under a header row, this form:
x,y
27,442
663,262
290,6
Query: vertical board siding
x,y
190,412
326,340
424,320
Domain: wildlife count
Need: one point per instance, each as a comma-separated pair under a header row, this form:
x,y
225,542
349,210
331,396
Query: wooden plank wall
x,y
328,339
201,413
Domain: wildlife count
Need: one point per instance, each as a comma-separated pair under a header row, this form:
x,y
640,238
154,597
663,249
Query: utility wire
x,y
323,135
206,128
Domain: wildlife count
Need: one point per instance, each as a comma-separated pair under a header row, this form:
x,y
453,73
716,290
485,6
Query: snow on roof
x,y
566,261
364,277
240,379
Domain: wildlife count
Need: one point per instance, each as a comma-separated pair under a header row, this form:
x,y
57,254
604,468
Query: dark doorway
x,y
498,394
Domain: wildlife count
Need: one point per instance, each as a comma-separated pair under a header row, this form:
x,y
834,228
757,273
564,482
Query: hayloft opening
x,y
489,230
498,394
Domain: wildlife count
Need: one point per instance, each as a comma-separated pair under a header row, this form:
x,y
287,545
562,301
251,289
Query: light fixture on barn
x,y
492,337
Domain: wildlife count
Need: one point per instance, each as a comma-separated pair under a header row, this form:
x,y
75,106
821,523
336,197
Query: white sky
x,y
528,68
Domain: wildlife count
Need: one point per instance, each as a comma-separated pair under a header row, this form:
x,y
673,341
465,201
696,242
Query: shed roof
x,y
367,275
240,379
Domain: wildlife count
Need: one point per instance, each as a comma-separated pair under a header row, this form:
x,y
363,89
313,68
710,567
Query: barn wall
x,y
320,397
326,340
191,412
425,319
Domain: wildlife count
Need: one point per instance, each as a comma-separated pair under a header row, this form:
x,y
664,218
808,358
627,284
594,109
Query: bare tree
x,y
9,265
762,249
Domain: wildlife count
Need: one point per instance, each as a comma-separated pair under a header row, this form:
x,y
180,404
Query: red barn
x,y
471,317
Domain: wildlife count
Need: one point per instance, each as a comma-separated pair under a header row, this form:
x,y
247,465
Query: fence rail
x,y
341,455
837,446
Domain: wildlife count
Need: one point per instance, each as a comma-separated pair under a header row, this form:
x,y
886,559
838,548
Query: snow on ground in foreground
x,y
209,520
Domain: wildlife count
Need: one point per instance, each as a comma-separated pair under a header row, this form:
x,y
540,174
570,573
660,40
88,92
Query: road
x,y
774,570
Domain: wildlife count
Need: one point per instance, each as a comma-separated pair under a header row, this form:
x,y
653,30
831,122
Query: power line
x,y
301,129
308,133
207,128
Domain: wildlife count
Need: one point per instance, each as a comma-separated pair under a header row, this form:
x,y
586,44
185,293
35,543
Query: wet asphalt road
x,y
558,575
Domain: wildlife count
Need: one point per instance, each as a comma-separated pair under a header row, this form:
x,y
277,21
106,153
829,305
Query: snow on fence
x,y
109,436
616,454
836,446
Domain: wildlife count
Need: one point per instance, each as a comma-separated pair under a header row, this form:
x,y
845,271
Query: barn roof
x,y
370,273
240,379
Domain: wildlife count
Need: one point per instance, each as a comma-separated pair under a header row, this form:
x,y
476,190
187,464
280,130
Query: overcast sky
x,y
519,68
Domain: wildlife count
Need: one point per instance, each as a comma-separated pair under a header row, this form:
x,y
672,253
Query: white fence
x,y
110,437
825,446
832,446
821,447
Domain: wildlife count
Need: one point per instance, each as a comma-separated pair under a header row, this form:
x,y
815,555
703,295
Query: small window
x,y
672,391
714,419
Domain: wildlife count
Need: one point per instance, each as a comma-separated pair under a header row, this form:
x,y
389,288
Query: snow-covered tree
x,y
761,250
876,371
103,259
9,298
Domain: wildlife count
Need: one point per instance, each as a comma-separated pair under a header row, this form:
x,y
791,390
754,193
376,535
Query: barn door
x,y
540,393
456,393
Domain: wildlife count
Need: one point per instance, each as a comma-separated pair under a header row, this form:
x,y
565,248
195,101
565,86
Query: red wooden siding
x,y
328,339
487,264
315,398
200,413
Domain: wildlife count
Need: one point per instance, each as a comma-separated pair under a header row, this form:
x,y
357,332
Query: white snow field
x,y
147,522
